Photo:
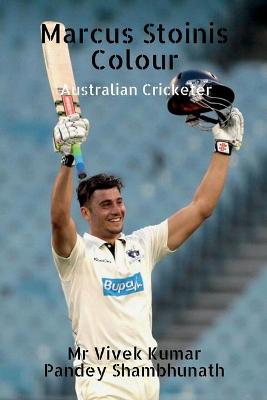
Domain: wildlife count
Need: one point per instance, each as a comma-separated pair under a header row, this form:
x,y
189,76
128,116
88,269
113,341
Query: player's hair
x,y
97,182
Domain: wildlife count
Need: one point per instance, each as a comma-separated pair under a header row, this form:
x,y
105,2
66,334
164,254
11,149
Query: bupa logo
x,y
124,286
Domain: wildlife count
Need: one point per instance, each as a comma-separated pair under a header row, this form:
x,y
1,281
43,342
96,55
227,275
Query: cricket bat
x,y
60,76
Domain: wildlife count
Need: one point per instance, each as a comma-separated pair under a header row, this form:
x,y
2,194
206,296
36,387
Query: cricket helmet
x,y
196,92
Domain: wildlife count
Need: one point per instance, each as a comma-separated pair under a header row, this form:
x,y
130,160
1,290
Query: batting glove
x,y
231,135
68,131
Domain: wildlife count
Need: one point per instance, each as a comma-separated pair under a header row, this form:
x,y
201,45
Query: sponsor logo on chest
x,y
123,286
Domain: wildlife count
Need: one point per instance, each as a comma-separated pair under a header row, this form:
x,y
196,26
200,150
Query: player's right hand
x,y
68,131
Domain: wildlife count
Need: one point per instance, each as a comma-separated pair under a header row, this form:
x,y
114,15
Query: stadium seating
x,y
237,342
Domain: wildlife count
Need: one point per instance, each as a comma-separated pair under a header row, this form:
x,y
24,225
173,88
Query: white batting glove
x,y
68,131
232,133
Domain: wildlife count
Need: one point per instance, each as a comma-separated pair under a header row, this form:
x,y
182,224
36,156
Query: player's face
x,y
106,213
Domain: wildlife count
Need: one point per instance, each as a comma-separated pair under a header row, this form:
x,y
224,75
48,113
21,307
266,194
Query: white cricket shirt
x,y
109,300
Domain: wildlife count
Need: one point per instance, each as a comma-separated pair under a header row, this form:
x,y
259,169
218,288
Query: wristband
x,y
223,147
67,160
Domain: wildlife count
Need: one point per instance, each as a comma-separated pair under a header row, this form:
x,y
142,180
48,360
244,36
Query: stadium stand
x,y
237,342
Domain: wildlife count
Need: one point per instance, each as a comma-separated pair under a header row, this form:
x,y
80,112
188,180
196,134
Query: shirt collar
x,y
100,242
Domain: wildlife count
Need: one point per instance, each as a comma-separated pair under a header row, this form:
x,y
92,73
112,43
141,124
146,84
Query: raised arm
x,y
63,227
185,221
69,130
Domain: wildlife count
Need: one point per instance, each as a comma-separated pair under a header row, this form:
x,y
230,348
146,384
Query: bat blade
x,y
62,82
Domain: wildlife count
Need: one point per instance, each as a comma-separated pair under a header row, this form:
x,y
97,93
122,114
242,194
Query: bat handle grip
x,y
69,108
77,153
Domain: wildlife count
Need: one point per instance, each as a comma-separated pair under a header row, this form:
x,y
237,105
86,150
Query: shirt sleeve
x,y
155,239
66,266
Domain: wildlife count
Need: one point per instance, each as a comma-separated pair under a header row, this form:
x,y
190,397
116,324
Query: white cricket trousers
x,y
117,388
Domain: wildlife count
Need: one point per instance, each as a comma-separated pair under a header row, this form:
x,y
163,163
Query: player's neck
x,y
107,238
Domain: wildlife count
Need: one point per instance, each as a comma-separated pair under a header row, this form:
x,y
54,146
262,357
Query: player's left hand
x,y
233,130
68,131
230,131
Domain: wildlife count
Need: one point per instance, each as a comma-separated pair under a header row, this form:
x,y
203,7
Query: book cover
x,y
209,303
